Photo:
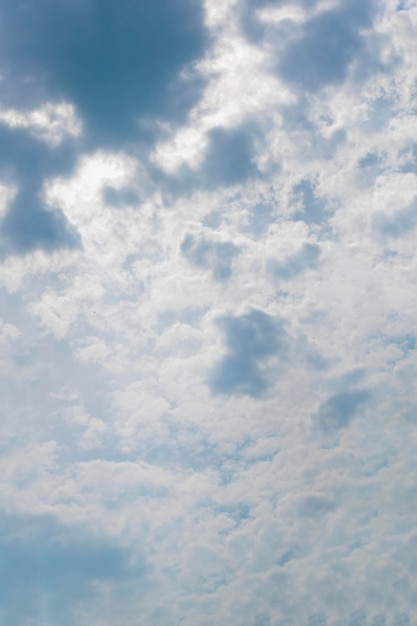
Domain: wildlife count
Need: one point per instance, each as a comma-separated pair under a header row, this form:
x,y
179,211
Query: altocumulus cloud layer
x,y
208,312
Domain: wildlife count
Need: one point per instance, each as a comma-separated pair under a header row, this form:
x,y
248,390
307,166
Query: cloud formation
x,y
208,312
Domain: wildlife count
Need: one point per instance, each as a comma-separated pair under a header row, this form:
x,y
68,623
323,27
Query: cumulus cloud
x,y
51,123
207,312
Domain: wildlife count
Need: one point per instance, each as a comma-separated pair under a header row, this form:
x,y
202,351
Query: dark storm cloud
x,y
216,255
115,61
250,340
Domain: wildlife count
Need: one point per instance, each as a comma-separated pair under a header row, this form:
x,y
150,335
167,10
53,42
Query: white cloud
x,y
247,511
51,123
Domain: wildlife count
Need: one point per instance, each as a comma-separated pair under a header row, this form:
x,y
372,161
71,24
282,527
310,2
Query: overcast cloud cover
x,y
208,325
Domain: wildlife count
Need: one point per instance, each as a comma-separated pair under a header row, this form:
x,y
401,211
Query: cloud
x,y
251,339
113,63
51,123
313,209
120,197
208,313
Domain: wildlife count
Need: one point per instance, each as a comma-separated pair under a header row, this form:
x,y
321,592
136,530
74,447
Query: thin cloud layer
x,y
208,313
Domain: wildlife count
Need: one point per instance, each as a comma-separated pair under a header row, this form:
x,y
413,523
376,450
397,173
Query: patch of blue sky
x,y
115,62
49,571
260,217
404,342
380,113
250,339
120,197
229,158
28,224
339,409
314,210
395,225
410,160
293,265
326,46
370,160
216,256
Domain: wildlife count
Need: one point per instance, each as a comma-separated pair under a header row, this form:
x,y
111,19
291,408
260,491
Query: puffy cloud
x,y
51,123
208,301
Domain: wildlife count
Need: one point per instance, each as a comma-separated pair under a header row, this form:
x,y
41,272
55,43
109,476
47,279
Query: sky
x,y
208,312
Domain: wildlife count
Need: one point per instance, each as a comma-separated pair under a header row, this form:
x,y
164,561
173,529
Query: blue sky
x,y
208,212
